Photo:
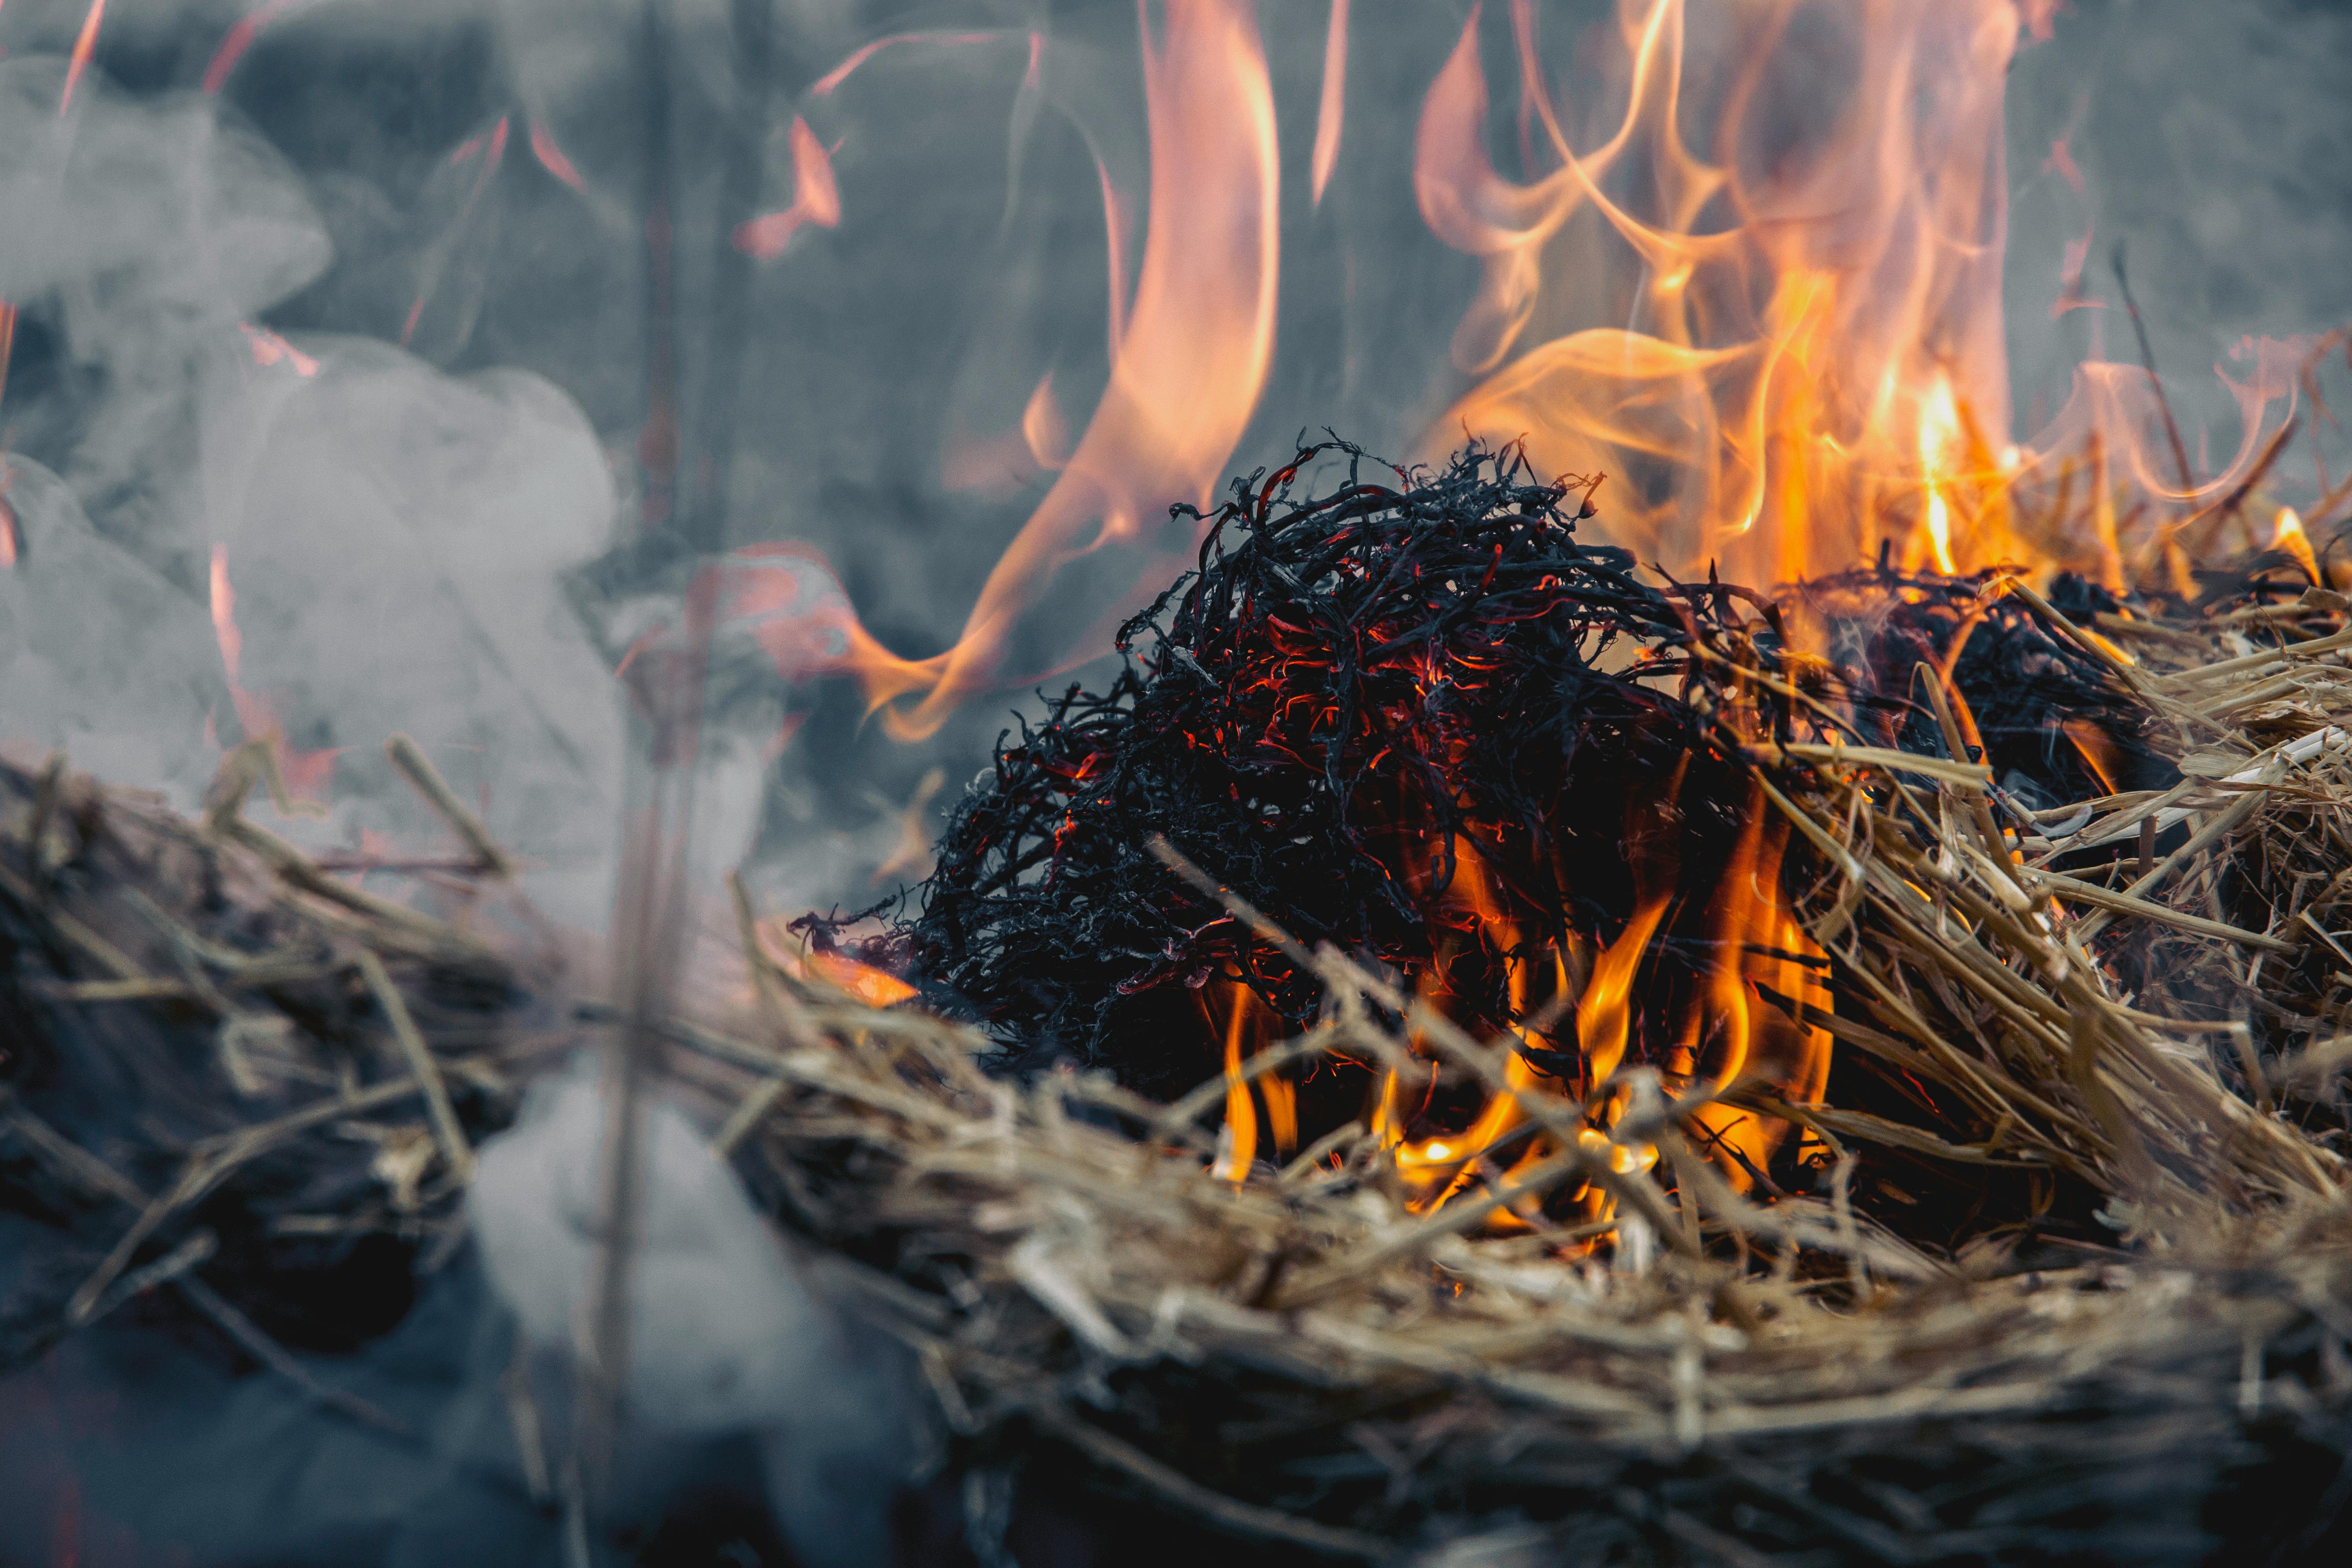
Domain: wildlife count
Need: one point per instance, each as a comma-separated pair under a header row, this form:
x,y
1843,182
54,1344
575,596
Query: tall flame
x,y
1192,352
1787,305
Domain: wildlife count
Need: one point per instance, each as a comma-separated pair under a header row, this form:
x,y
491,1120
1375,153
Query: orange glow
x,y
1002,464
1238,1147
1331,112
1728,1035
307,774
1247,1026
85,46
862,983
269,348
9,550
1044,431
1722,1039
875,987
239,39
7,343
2099,753
816,199
1192,356
1787,349
550,157
2289,538
1939,433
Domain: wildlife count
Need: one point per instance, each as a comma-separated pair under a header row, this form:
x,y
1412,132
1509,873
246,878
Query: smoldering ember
x,y
1657,865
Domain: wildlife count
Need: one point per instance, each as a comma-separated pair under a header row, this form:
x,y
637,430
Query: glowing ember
x,y
863,983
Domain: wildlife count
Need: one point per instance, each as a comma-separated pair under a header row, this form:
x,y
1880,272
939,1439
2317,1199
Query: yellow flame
x,y
1939,433
2289,538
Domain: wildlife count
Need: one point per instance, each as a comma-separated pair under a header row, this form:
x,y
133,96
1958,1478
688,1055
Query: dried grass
x,y
1301,1360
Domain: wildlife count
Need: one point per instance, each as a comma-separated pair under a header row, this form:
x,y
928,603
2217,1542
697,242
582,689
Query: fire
x,y
269,348
873,986
816,199
1939,434
863,983
551,158
1788,348
1792,374
1330,113
1238,1147
2288,538
85,46
307,774
240,38
1757,945
1190,352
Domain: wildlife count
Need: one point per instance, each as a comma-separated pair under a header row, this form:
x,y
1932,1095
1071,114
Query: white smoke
x,y
393,535
728,1332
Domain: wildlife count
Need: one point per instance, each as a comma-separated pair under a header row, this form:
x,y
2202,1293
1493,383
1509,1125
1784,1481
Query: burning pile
x,y
1507,770
1742,1101
2061,1278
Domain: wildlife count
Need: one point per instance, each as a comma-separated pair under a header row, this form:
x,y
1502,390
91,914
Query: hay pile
x,y
2127,1039
235,1085
2112,1034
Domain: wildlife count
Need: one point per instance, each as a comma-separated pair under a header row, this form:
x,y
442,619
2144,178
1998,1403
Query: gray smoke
x,y
2210,144
728,1331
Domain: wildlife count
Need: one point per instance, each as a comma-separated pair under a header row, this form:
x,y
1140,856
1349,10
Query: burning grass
x,y
2131,1348
2051,1264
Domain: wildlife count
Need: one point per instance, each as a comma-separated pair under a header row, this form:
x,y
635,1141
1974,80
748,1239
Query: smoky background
x,y
442,203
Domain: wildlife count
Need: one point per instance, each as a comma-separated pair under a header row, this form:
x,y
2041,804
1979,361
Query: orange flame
x,y
875,987
816,199
1248,1025
2289,538
550,157
1238,1147
240,38
307,774
85,46
269,348
1728,1036
1328,113
1939,433
1794,374
1002,464
863,983
1192,356
1790,352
